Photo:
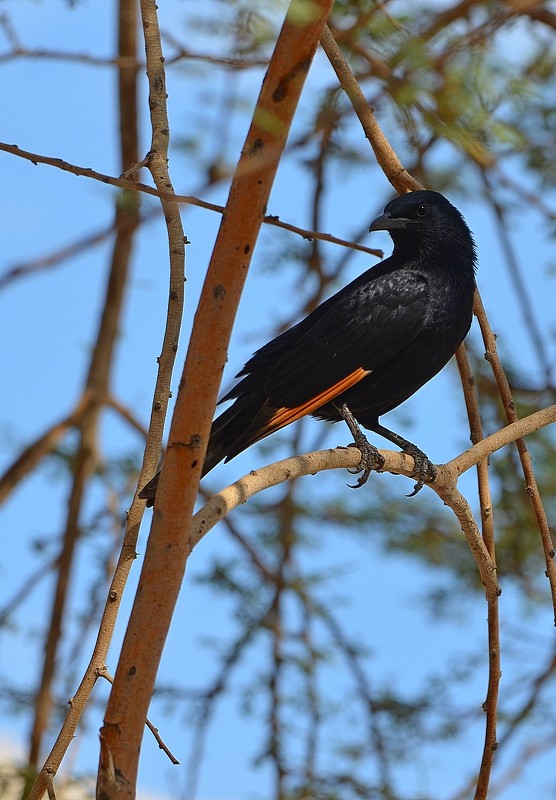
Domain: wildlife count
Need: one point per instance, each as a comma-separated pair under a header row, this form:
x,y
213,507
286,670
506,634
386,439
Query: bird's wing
x,y
280,417
362,329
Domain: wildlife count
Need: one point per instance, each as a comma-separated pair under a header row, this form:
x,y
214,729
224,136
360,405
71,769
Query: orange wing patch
x,y
283,416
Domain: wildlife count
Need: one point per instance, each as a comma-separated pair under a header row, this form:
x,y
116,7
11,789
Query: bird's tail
x,y
227,439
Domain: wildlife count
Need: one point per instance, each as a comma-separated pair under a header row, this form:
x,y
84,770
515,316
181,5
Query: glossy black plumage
x,y
371,345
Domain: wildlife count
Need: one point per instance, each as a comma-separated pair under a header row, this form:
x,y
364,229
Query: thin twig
x,y
163,195
521,289
50,787
487,524
392,167
110,778
103,673
476,432
531,486
57,256
97,388
127,414
183,52
35,452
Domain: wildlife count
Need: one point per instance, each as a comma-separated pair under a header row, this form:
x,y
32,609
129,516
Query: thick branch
x,y
345,458
167,551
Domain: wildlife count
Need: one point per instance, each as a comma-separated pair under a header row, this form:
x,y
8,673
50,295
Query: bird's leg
x,y
424,469
370,457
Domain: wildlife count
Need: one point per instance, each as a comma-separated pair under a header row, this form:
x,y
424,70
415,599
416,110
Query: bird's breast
x,y
450,306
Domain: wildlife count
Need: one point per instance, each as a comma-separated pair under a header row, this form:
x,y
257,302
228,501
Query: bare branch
x,y
126,183
167,550
347,458
392,167
56,257
531,486
103,673
127,414
37,450
109,777
521,289
487,523
97,391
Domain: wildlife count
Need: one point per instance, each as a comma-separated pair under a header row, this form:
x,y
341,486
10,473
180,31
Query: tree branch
x,y
347,458
97,389
531,486
487,525
387,159
167,550
163,195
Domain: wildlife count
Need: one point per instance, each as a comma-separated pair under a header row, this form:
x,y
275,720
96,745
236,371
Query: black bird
x,y
366,349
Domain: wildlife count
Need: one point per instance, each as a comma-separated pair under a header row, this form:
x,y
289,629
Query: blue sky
x,y
49,321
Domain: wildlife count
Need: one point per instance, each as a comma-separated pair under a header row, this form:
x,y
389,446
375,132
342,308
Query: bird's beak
x,y
386,222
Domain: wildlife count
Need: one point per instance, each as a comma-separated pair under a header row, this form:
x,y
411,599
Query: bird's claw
x,y
371,460
424,470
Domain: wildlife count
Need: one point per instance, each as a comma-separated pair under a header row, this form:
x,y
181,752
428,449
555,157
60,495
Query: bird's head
x,y
426,221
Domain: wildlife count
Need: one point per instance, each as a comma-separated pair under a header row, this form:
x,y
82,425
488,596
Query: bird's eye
x,y
423,210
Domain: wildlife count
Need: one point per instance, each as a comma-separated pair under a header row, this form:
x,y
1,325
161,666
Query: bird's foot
x,y
424,470
371,460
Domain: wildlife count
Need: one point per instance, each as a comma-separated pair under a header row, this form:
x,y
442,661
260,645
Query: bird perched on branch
x,y
366,349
